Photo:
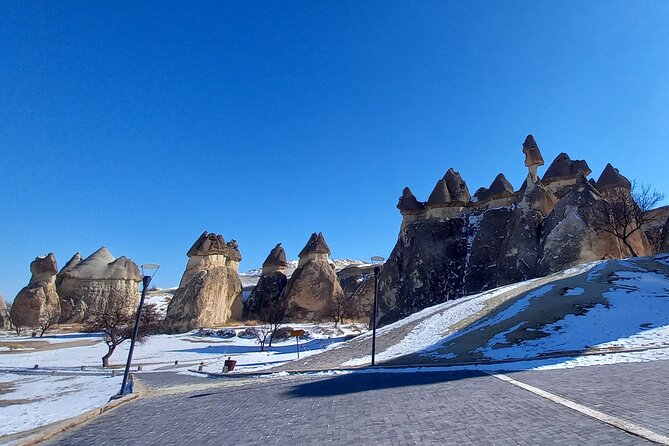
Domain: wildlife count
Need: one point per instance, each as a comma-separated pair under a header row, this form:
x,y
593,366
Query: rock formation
x,y
85,286
313,290
450,247
357,282
5,322
533,157
39,299
665,237
210,291
267,298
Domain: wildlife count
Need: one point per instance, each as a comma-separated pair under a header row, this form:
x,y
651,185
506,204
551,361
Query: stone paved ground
x,y
436,408
636,392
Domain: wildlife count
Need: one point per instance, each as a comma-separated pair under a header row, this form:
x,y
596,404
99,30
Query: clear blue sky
x,y
138,126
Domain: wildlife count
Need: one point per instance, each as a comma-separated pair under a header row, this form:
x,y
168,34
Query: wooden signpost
x,y
296,334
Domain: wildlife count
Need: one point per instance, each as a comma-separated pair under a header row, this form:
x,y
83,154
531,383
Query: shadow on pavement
x,y
364,382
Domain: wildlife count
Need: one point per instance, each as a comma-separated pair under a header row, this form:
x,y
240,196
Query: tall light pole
x,y
377,261
147,268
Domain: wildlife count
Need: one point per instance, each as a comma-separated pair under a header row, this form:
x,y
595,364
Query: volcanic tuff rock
x,y
313,290
267,297
457,187
39,299
5,323
86,286
611,179
500,188
546,226
210,291
357,282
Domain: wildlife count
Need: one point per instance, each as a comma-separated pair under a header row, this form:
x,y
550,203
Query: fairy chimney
x,y
533,158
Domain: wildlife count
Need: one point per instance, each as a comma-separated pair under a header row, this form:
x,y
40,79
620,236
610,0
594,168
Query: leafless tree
x,y
17,322
625,212
117,321
340,308
272,315
263,334
48,318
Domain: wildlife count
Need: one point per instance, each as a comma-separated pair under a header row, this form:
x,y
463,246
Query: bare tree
x,y
340,308
17,322
272,315
117,322
625,212
262,334
47,319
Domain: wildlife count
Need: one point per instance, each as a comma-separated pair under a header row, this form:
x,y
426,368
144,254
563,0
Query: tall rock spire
x,y
533,158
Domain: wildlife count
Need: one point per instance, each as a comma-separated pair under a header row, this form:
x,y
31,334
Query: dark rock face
x,y
440,195
457,187
357,281
267,296
315,245
408,203
276,258
547,226
500,188
532,153
611,178
665,237
563,168
208,244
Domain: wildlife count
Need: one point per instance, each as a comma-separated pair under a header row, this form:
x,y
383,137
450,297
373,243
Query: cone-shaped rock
x,y
69,266
276,258
39,299
208,244
500,188
457,187
532,153
611,178
267,301
408,203
210,291
563,168
440,194
86,286
314,289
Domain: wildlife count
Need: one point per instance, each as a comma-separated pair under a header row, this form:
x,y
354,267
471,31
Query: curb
x,y
52,430
566,354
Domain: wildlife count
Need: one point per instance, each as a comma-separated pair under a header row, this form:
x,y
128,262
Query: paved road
x,y
390,408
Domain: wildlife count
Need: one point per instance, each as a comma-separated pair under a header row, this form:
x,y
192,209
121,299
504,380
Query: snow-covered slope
x,y
605,306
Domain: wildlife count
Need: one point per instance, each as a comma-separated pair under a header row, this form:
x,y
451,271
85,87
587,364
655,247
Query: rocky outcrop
x,y
267,299
457,187
500,188
39,299
665,237
86,286
562,174
210,291
612,179
357,282
313,291
502,237
408,204
5,321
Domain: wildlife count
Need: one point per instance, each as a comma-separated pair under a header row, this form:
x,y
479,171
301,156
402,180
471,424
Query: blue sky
x,y
138,125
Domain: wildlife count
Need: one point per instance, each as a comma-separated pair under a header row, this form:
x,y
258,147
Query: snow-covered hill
x,y
583,313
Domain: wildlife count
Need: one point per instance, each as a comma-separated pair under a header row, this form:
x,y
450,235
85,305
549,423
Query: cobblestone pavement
x,y
636,392
435,408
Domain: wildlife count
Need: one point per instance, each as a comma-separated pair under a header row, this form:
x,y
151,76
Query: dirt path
x,y
18,347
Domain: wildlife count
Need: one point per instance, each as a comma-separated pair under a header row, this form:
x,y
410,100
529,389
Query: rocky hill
x,y
455,244
583,312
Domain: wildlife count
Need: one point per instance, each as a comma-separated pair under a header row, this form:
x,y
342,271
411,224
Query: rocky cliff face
x,y
86,286
210,291
357,282
39,299
267,299
313,290
451,247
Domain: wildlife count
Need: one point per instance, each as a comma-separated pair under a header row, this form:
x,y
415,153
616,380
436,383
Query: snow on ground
x,y
37,400
636,316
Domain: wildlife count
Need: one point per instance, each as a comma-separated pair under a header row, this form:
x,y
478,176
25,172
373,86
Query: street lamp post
x,y
151,268
376,261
